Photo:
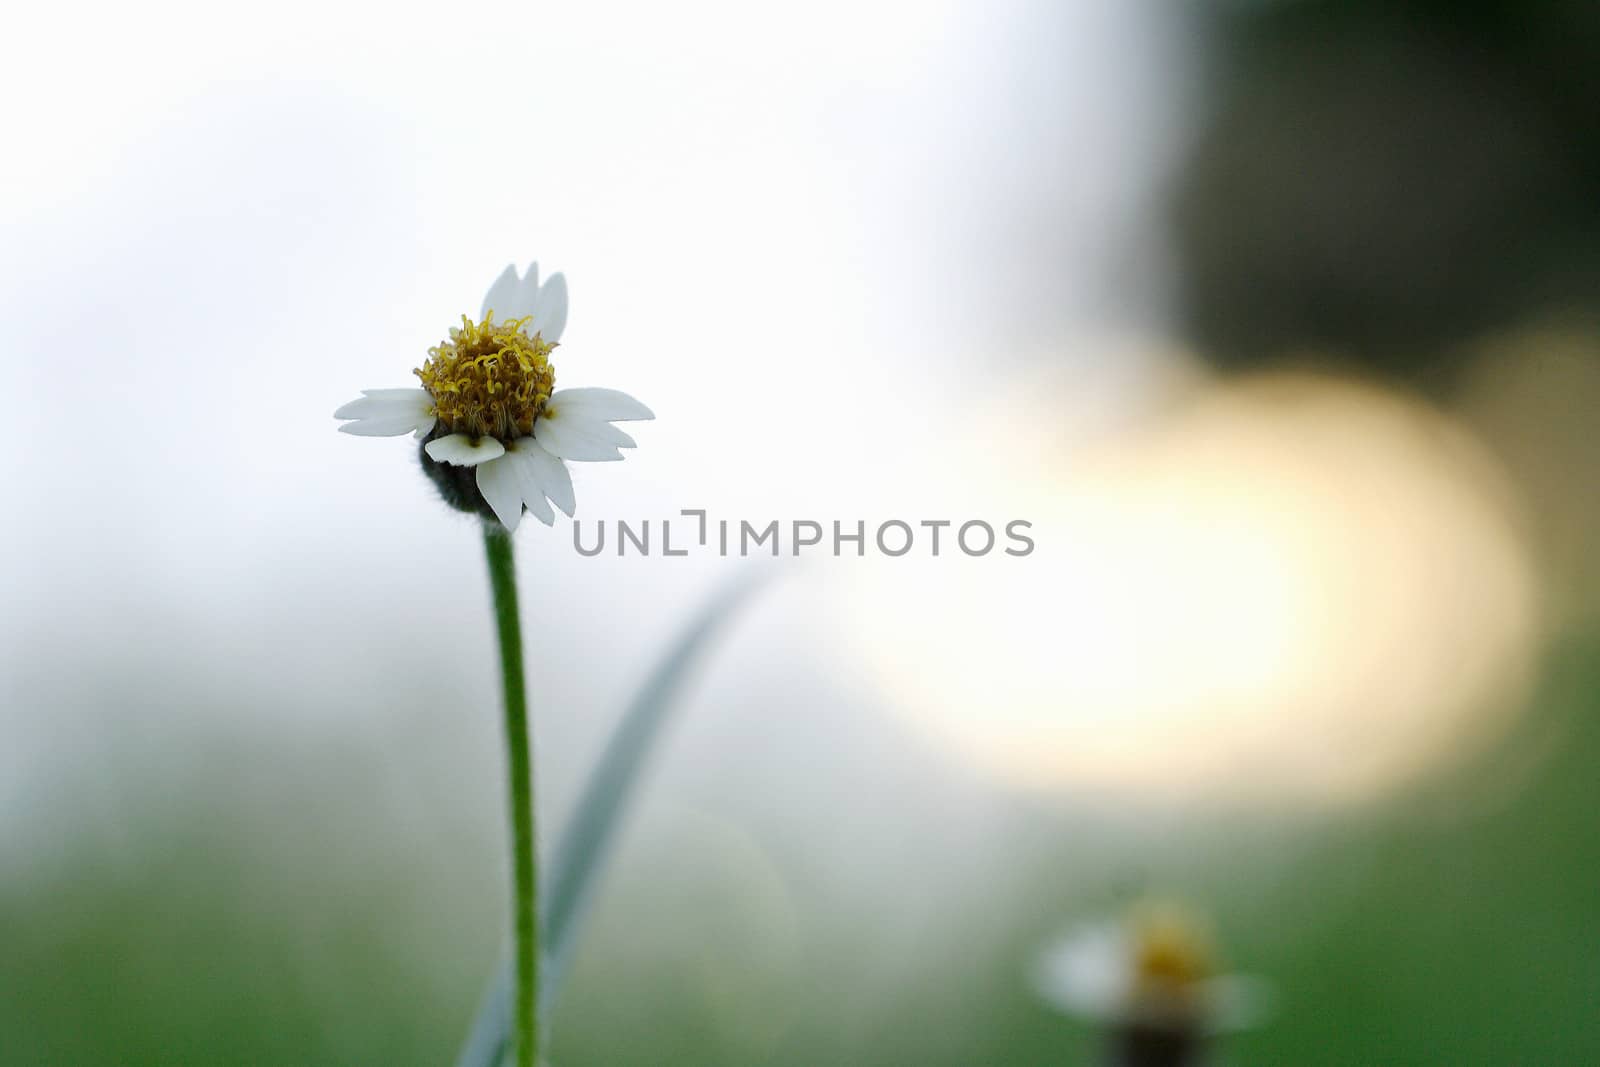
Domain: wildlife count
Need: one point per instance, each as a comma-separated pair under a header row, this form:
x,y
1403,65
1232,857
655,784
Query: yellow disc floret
x,y
1172,950
490,379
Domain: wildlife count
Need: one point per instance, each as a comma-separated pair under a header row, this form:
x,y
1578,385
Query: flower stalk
x,y
519,749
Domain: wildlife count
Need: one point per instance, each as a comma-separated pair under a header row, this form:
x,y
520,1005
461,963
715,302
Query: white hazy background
x,y
807,236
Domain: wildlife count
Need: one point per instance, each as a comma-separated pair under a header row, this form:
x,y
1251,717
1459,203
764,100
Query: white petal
x,y
501,295
572,435
385,426
499,483
412,393
526,299
464,451
551,475
381,402
608,405
1088,972
539,508
424,427
550,309
532,488
388,413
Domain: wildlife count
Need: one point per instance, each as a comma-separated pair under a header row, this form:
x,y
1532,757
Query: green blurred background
x,y
216,916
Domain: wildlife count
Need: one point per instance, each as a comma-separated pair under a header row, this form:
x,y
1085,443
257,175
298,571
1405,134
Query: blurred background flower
x,y
1151,981
1276,319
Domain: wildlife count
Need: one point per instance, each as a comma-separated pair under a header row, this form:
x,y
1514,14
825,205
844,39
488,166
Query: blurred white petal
x,y
1238,1002
525,300
501,297
1089,972
550,309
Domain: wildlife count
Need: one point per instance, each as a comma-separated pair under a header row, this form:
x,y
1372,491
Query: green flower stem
x,y
503,580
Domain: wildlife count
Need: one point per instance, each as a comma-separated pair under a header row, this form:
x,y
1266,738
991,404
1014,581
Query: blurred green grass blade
x,y
490,1038
585,843
580,855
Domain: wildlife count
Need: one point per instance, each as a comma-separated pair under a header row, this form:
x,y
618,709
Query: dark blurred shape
x,y
1138,1045
1377,181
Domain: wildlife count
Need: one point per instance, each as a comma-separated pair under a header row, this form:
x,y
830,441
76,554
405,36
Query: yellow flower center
x,y
489,379
1171,952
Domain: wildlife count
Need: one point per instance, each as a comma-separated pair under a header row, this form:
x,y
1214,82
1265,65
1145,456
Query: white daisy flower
x,y
1155,969
497,433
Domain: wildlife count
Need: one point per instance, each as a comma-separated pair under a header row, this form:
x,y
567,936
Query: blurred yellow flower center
x,y
489,379
1171,953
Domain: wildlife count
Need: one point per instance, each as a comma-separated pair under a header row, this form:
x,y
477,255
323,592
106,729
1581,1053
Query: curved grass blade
x,y
585,844
489,1040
